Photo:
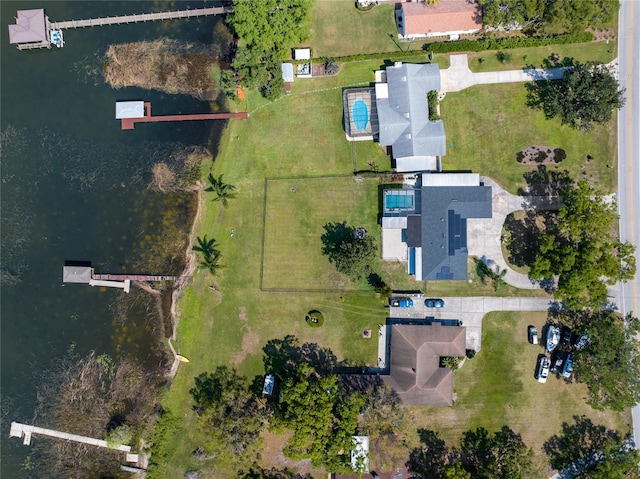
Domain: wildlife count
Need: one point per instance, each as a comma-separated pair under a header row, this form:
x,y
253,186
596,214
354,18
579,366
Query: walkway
x,y
471,310
25,431
145,17
458,76
484,236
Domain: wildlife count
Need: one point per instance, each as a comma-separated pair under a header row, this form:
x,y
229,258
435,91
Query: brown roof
x,y
446,16
415,372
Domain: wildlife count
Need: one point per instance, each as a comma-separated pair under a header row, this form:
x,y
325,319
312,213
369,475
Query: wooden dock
x,y
144,17
25,432
134,277
130,123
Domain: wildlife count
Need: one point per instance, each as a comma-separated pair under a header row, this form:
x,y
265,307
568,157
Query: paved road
x,y
629,156
471,310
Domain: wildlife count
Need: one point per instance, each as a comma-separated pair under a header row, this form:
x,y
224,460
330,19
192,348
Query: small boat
x,y
182,358
57,38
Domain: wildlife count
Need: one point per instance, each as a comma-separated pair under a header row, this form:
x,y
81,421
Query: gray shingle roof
x,y
404,115
444,228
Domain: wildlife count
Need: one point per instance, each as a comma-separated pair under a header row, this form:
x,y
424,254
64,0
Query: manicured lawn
x,y
601,52
296,211
487,125
498,387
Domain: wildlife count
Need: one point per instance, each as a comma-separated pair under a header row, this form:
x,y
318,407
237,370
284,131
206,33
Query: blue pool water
x,y
398,201
360,114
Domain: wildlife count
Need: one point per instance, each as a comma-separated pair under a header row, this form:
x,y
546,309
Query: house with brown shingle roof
x,y
415,373
447,18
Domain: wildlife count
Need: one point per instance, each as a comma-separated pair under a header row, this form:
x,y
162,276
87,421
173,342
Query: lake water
x,y
74,187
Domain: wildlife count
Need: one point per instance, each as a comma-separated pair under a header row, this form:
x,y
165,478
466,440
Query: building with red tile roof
x,y
447,18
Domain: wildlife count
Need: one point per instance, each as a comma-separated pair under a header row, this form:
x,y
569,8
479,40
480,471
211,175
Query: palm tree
x,y
206,246
212,262
222,190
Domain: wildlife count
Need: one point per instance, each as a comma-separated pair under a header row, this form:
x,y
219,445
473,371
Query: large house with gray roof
x,y
395,112
425,224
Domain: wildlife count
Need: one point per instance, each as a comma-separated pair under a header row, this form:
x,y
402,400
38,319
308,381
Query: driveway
x,y
458,76
470,310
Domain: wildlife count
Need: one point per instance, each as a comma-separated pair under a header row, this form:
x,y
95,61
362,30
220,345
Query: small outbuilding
x,y
30,28
287,72
302,54
129,109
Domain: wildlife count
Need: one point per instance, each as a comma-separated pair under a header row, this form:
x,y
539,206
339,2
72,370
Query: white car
x,y
553,337
542,369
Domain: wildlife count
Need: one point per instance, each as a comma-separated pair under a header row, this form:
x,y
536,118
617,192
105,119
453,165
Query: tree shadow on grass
x,y
577,440
430,458
335,234
523,238
543,182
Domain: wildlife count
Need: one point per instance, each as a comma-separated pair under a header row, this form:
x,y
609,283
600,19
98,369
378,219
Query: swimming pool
x,y
360,114
398,201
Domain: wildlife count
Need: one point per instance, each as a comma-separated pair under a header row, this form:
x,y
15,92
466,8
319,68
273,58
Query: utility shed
x,y
129,109
29,28
287,72
302,54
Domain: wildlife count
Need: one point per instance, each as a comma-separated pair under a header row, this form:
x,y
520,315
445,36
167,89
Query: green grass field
x,y
498,387
600,52
301,135
487,125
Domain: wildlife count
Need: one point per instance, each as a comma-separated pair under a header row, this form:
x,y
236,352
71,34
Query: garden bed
x,y
541,155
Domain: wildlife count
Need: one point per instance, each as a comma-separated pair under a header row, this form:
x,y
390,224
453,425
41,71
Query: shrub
x,y
331,67
540,157
520,156
470,353
504,57
314,318
559,154
432,101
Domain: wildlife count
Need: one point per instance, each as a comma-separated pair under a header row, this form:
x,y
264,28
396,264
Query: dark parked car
x,y
434,303
542,368
582,341
532,332
565,336
567,369
558,361
401,302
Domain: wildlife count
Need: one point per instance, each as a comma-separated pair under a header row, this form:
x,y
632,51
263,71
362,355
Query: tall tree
x,y
610,365
580,248
350,254
322,417
211,256
234,419
586,95
268,29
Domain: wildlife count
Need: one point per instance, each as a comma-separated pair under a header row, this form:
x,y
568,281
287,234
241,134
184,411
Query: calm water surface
x,y
74,188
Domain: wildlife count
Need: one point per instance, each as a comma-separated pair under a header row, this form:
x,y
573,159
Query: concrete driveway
x,y
471,310
458,76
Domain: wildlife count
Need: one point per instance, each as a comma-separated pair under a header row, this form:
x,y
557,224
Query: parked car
x,y
582,341
542,368
532,332
567,369
558,361
434,303
401,302
565,336
553,337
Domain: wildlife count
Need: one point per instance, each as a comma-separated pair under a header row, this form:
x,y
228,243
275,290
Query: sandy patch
x,y
250,341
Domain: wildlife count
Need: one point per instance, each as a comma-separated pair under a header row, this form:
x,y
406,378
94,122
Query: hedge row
x,y
471,46
507,43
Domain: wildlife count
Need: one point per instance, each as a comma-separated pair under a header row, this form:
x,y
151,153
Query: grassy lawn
x,y
296,211
227,319
601,52
497,387
487,125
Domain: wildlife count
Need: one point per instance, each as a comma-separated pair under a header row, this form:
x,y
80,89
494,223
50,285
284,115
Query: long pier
x,y
144,17
134,277
129,122
25,432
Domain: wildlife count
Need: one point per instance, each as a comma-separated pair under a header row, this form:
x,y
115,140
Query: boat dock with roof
x,y
83,273
33,29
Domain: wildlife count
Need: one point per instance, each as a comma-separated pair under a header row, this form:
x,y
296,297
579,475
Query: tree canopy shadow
x,y
523,238
545,182
577,440
335,234
430,458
